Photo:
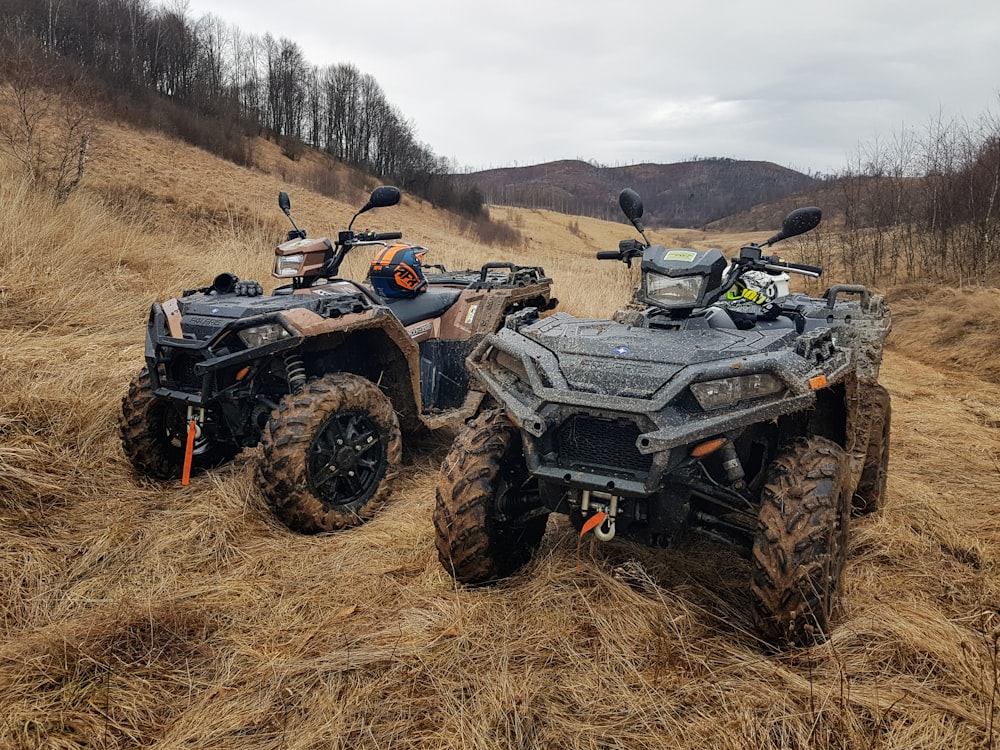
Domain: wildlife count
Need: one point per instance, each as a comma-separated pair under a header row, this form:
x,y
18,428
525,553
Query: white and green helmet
x,y
754,290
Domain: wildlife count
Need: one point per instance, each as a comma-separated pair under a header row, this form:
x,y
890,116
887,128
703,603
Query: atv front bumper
x,y
608,442
194,372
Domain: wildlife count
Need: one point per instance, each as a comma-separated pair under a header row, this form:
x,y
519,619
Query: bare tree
x,y
246,81
48,134
286,72
212,65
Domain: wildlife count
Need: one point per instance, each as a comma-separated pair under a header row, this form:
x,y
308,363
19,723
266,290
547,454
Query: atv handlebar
x,y
751,259
362,237
627,250
774,264
346,239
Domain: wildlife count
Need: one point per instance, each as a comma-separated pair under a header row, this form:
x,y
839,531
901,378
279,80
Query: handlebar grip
x,y
807,268
381,236
609,255
776,264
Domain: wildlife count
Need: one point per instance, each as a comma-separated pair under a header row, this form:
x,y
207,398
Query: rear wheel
x,y
329,453
870,494
800,547
482,532
154,435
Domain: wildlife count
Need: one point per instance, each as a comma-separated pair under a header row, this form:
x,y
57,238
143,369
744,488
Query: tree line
x,y
921,204
215,85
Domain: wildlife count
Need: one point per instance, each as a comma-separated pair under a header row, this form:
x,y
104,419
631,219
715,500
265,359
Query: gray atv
x,y
712,406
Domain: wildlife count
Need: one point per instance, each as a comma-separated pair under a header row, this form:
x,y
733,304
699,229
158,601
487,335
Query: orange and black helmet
x,y
396,272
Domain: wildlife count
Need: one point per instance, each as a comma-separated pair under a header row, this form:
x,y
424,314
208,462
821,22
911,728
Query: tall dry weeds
x,y
137,614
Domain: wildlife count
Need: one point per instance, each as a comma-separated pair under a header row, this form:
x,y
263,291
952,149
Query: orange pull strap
x,y
189,453
592,523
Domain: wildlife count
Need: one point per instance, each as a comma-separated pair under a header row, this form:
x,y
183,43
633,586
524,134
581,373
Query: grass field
x,y
136,614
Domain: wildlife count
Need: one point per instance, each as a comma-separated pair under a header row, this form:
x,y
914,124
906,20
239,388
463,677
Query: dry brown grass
x,y
135,614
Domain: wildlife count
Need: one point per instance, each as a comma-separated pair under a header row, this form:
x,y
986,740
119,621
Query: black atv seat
x,y
430,304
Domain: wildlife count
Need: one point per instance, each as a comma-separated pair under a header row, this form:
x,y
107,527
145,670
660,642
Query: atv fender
x,y
381,341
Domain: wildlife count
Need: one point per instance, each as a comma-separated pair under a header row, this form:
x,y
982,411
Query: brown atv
x,y
326,373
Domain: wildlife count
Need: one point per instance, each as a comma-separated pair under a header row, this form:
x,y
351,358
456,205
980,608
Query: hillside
x,y
687,194
140,614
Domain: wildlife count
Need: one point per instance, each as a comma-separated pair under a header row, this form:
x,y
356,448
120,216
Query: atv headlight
x,y
288,265
715,394
265,334
673,291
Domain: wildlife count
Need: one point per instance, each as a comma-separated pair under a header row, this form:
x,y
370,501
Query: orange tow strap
x,y
189,453
592,523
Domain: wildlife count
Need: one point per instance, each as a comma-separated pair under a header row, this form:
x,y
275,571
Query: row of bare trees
x,y
923,204
242,84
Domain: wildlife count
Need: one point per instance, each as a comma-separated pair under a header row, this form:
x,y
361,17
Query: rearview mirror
x,y
382,196
631,204
799,221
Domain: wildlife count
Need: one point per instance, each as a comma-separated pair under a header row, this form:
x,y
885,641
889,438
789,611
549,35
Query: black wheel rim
x,y
346,459
175,428
172,427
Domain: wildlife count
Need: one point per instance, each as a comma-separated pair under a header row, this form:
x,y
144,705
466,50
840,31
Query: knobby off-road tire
x,y
800,547
870,494
485,464
154,435
330,452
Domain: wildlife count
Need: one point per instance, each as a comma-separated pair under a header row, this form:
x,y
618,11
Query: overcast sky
x,y
508,82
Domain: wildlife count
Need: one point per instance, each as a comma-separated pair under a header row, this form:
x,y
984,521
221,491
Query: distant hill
x,y
687,194
829,194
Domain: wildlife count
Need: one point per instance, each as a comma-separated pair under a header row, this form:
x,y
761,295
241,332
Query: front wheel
x,y
329,453
153,433
487,523
800,548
